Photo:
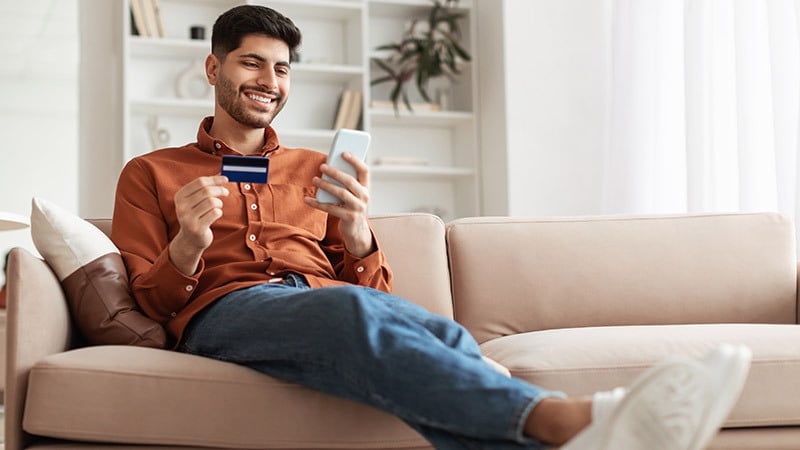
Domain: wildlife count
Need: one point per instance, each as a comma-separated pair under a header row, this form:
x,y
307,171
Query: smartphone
x,y
351,141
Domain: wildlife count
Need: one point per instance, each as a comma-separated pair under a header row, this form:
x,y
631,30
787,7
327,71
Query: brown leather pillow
x,y
94,279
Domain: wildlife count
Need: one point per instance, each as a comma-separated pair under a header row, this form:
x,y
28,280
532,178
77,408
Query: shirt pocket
x,y
291,209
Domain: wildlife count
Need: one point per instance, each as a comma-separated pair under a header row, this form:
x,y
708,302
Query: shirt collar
x,y
214,146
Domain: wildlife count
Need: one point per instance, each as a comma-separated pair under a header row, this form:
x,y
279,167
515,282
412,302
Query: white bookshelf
x,y
339,38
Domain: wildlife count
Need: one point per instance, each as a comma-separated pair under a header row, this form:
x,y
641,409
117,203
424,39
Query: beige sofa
x,y
574,304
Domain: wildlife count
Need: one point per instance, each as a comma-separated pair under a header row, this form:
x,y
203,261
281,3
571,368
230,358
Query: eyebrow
x,y
258,57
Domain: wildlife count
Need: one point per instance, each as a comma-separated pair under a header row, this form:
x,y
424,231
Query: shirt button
x,y
252,237
254,207
217,145
173,314
189,288
246,187
360,269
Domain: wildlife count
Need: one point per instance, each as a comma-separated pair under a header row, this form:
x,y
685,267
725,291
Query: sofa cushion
x,y
94,279
581,361
415,250
136,395
621,270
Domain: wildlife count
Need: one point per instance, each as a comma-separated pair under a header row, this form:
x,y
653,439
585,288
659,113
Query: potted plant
x,y
429,49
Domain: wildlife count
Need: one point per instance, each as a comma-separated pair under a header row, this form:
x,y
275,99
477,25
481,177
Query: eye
x,y
250,64
283,70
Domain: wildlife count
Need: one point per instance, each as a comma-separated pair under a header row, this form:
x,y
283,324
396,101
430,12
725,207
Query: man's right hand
x,y
197,205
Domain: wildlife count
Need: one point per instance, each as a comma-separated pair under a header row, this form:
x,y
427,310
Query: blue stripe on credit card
x,y
245,169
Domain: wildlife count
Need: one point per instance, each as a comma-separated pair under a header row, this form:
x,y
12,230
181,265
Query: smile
x,y
259,98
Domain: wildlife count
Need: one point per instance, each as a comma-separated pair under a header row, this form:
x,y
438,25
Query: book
x,y
138,18
342,110
354,111
158,20
150,18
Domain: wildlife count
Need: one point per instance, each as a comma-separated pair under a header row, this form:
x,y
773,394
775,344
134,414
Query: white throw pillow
x,y
94,278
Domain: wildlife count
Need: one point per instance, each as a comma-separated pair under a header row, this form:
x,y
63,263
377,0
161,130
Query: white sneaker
x,y
677,405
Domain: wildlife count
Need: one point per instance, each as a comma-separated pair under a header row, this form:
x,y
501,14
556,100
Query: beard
x,y
230,100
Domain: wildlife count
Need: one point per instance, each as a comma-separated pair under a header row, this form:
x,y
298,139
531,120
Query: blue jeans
x,y
365,345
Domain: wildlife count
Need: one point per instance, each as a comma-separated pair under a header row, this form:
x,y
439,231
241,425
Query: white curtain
x,y
704,97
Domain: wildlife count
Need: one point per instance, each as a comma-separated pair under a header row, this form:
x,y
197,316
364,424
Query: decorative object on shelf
x,y
10,221
192,82
427,50
139,27
197,32
147,18
348,113
159,137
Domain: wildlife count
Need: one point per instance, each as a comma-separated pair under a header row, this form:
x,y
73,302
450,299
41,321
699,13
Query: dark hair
x,y
236,23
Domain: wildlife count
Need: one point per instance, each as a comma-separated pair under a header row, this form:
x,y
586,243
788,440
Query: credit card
x,y
245,169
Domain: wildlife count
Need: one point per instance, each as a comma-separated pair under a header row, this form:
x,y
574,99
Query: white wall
x,y
38,108
553,77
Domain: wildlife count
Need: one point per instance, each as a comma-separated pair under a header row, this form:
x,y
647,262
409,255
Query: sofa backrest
x,y
415,249
518,275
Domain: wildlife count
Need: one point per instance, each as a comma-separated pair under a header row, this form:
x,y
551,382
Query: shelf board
x,y
402,171
325,72
196,49
431,118
325,9
408,8
169,47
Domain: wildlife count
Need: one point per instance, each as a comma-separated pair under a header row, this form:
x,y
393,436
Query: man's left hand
x,y
352,211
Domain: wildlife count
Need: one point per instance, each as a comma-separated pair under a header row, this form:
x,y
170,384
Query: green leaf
x,y
381,80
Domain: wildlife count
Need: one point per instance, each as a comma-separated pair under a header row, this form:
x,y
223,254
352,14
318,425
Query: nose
x,y
268,79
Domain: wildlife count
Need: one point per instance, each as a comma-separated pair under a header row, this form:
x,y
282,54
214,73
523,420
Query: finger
x,y
362,169
352,184
199,190
349,202
352,194
200,184
206,206
207,217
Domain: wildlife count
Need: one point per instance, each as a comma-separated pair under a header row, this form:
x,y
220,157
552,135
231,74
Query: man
x,y
265,276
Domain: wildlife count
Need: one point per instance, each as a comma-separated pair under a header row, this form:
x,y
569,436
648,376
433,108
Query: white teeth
x,y
259,98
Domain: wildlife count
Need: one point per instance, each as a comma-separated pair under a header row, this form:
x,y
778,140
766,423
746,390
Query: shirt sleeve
x,y
371,270
141,233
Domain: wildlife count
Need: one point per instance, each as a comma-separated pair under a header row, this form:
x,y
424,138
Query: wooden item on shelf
x,y
348,114
342,111
354,111
158,20
139,21
152,18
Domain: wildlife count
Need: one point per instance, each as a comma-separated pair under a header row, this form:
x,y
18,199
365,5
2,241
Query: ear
x,y
212,69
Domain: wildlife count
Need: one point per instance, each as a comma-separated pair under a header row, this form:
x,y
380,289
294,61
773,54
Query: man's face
x,y
252,84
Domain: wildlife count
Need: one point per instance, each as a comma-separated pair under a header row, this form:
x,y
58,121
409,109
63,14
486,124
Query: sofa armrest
x,y
38,324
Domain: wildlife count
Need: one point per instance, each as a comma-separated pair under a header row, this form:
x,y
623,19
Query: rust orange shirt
x,y
266,230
